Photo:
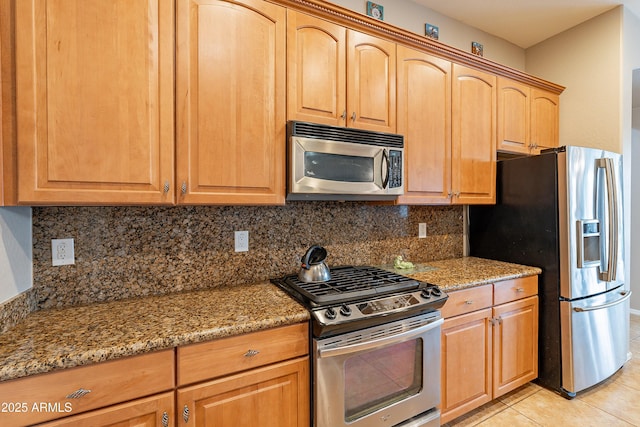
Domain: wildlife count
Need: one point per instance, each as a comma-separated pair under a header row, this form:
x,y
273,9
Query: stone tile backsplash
x,y
123,252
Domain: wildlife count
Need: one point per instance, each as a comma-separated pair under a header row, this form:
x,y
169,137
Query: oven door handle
x,y
392,339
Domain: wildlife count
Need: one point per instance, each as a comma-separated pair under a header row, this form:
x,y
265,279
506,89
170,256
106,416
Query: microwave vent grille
x,y
334,133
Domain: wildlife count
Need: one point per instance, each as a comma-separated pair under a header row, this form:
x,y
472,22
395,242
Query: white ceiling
x,y
525,22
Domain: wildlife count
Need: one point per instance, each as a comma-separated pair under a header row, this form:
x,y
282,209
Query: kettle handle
x,y
305,259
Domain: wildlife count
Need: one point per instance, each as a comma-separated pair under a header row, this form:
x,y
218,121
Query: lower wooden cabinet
x,y
149,412
489,345
96,391
272,396
256,379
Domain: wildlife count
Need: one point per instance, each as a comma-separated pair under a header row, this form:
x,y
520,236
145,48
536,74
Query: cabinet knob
x,y
185,414
183,188
165,419
251,353
166,187
78,393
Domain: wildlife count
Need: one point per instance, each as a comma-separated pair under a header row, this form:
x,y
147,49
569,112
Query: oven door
x,y
380,376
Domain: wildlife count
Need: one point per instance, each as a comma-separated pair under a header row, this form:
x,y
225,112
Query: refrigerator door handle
x,y
625,296
609,275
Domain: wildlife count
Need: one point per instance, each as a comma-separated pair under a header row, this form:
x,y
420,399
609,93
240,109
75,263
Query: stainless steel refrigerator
x,y
562,211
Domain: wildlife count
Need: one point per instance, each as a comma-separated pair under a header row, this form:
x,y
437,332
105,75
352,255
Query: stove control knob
x,y
345,310
436,292
425,293
330,313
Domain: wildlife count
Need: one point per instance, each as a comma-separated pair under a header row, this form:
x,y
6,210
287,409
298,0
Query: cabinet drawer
x,y
468,300
514,289
212,359
104,384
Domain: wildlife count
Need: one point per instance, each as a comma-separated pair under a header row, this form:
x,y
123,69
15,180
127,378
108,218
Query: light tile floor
x,y
615,402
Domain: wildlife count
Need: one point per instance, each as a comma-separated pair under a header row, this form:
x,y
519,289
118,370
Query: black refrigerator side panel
x,y
522,228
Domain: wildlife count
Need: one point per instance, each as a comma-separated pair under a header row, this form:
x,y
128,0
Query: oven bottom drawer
x,y
428,419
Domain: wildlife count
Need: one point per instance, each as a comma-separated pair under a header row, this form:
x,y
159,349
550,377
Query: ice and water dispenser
x,y
588,243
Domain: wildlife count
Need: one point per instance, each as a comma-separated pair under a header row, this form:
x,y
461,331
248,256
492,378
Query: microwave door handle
x,y
384,168
609,275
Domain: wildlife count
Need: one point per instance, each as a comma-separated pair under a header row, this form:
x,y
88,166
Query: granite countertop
x,y
461,273
52,339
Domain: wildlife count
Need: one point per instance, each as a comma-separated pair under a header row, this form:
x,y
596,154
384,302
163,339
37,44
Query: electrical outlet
x,y
62,252
242,241
422,230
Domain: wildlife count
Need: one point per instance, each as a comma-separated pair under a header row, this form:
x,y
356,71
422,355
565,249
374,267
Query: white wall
x,y
412,17
16,271
631,149
634,227
586,59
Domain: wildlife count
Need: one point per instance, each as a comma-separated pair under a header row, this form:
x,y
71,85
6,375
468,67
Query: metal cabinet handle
x,y
185,414
165,419
519,290
353,117
469,302
344,115
166,187
78,393
183,188
251,353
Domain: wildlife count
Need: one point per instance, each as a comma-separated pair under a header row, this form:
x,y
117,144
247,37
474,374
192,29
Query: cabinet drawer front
x,y
468,300
515,289
77,390
212,359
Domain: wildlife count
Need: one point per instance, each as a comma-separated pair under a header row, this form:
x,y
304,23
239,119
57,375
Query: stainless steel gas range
x,y
375,347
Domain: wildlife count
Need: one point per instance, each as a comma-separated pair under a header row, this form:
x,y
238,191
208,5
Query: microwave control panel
x,y
395,168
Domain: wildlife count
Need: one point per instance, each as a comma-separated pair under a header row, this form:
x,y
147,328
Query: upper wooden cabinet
x,y
447,114
95,101
473,136
527,118
339,76
230,95
424,118
514,116
545,119
317,70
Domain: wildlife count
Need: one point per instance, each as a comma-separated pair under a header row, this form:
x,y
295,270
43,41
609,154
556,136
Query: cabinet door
x,y
515,336
274,396
466,363
371,82
148,412
473,136
545,117
316,70
514,116
231,102
424,118
95,101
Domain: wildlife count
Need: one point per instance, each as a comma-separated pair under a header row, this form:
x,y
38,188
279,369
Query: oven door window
x,y
381,377
338,167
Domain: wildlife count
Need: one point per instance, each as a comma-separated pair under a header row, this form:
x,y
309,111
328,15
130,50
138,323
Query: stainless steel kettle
x,y
313,268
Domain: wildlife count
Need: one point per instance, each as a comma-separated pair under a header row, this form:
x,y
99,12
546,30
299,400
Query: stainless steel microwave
x,y
336,163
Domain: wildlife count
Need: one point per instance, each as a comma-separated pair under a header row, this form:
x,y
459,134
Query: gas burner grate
x,y
348,283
